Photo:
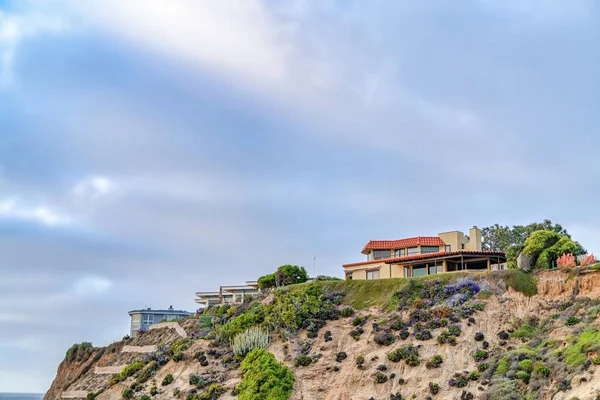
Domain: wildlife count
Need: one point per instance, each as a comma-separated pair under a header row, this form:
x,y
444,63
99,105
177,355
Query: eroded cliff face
x,y
330,379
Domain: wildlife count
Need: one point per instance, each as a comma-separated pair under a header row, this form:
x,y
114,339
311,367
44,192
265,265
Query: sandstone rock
x,y
525,262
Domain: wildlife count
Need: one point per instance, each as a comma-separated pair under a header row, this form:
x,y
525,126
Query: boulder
x,y
525,262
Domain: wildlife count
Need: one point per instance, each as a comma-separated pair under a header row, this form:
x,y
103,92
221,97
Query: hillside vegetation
x,y
497,335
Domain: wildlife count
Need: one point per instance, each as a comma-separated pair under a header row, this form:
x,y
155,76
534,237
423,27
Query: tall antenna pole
x,y
314,262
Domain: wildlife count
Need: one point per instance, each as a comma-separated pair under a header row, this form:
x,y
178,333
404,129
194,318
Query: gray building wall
x,y
146,318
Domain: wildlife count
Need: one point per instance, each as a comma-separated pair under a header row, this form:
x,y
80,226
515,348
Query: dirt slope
x,y
329,379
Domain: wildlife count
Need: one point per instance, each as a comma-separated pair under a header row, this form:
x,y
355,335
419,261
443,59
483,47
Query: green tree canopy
x,y
285,275
547,246
502,238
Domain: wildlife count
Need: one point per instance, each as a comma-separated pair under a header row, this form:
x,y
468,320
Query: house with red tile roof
x,y
425,255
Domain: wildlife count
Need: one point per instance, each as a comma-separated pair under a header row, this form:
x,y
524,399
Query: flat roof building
x,y
227,294
143,319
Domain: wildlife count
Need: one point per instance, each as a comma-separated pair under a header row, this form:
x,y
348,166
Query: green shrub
x,y
596,360
539,368
482,367
168,380
214,392
253,338
576,353
145,397
347,312
526,365
205,322
480,355
264,378
197,381
127,371
285,275
380,377
445,337
473,376
153,391
302,360
572,321
253,315
524,376
435,362
360,361
434,388
454,330
409,353
503,365
302,306
147,372
127,393
79,352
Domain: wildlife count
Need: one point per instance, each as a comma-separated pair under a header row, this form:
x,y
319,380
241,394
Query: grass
x,y
576,353
520,281
205,321
362,294
503,365
524,331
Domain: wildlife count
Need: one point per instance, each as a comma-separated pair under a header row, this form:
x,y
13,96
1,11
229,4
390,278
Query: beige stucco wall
x,y
360,274
475,239
397,271
455,239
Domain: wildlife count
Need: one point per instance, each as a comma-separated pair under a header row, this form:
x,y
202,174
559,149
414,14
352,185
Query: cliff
x,y
503,335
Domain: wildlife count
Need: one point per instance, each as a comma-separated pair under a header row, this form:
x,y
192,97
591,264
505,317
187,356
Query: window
x,y
462,246
381,254
148,319
373,274
448,248
419,271
435,269
399,253
413,250
407,272
429,249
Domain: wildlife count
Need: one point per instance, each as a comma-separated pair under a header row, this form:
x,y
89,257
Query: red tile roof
x,y
398,260
408,242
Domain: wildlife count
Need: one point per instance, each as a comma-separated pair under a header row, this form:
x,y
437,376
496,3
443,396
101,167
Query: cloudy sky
x,y
150,149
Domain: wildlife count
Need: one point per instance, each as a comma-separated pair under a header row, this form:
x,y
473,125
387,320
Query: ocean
x,y
21,396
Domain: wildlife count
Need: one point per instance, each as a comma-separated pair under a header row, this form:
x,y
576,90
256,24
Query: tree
x,y
545,246
502,238
285,275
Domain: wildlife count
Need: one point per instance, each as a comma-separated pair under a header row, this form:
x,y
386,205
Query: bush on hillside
x,y
79,352
545,246
285,275
168,380
253,314
264,378
127,371
303,307
252,338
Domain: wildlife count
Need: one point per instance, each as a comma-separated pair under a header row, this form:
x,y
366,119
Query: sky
x,y
152,149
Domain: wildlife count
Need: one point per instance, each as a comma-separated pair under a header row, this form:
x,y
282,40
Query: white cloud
x,y
15,28
13,209
92,286
94,187
234,37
